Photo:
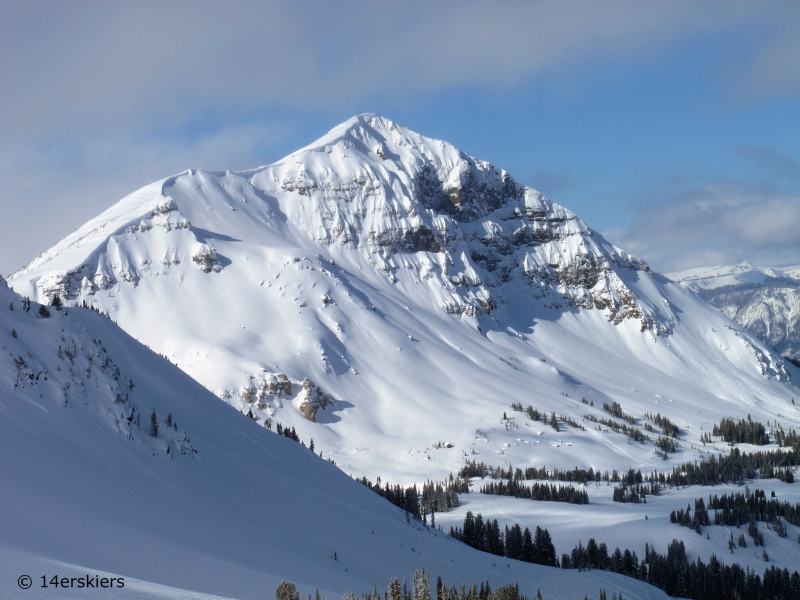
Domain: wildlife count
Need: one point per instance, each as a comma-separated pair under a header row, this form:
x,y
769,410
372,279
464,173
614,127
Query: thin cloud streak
x,y
720,224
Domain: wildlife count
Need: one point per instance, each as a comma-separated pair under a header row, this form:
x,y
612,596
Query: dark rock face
x,y
479,191
415,239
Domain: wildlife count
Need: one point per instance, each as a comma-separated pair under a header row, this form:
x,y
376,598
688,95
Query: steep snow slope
x,y
214,503
763,300
390,297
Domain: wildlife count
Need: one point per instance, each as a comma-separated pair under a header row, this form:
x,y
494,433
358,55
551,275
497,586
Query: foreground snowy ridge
x,y
89,490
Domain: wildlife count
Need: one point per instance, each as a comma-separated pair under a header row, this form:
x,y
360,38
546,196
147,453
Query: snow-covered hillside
x,y
765,301
213,503
390,297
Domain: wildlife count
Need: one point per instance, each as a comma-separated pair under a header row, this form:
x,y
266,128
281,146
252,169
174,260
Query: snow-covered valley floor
x,y
631,526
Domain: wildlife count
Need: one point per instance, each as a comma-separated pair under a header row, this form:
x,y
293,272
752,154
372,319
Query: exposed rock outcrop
x,y
315,400
206,257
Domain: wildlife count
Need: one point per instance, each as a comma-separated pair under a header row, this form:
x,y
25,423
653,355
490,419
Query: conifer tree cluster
x,y
667,427
736,509
634,433
786,440
741,432
481,469
441,497
286,432
736,466
421,590
685,518
405,498
635,493
537,491
678,577
666,444
615,410
512,542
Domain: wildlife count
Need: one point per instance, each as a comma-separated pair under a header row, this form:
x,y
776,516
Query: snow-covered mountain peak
x,y
380,197
374,147
378,278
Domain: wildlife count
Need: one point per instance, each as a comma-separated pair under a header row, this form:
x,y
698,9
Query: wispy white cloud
x,y
110,64
719,224
95,97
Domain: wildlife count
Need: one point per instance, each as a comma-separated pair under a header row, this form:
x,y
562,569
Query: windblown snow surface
x,y
390,297
214,506
765,301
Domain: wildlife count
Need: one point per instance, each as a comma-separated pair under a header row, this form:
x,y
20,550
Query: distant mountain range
x,y
763,300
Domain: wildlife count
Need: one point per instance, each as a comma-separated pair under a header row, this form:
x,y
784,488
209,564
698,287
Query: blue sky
x,y
673,128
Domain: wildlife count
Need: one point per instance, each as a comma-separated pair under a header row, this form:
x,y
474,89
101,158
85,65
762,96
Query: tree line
x,y
685,518
736,466
421,590
635,493
736,509
482,470
537,491
404,498
677,576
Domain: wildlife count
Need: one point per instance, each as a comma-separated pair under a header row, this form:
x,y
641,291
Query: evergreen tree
x,y
394,590
153,424
13,333
311,445
286,591
554,421
56,302
169,420
43,312
422,585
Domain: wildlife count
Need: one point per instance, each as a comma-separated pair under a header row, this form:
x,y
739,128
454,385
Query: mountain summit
x,y
464,226
387,294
